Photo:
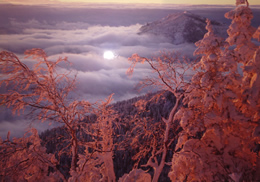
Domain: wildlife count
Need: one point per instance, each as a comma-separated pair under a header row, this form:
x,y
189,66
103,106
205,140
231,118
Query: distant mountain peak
x,y
183,27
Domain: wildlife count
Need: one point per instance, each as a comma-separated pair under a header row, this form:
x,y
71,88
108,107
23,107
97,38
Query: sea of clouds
x,y
82,34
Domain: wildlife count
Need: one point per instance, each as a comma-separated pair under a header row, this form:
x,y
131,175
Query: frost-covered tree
x,y
96,163
217,142
137,175
247,54
45,90
170,74
25,159
238,2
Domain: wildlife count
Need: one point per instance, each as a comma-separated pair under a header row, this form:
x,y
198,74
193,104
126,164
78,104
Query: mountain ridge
x,y
184,27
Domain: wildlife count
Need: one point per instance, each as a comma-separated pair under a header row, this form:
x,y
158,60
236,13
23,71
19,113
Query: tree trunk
x,y
74,151
158,170
108,160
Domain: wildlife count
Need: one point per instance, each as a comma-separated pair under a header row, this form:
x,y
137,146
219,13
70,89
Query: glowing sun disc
x,y
108,55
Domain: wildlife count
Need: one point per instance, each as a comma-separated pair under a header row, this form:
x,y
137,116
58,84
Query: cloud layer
x,y
85,47
83,35
84,41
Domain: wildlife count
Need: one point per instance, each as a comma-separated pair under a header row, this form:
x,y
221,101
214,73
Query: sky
x,y
217,2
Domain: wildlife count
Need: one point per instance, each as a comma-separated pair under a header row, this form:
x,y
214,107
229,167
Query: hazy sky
x,y
252,2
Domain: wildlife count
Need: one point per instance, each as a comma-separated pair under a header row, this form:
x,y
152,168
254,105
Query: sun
x,y
108,55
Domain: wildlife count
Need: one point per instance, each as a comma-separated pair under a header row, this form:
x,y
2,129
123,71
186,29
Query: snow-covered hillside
x,y
183,27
